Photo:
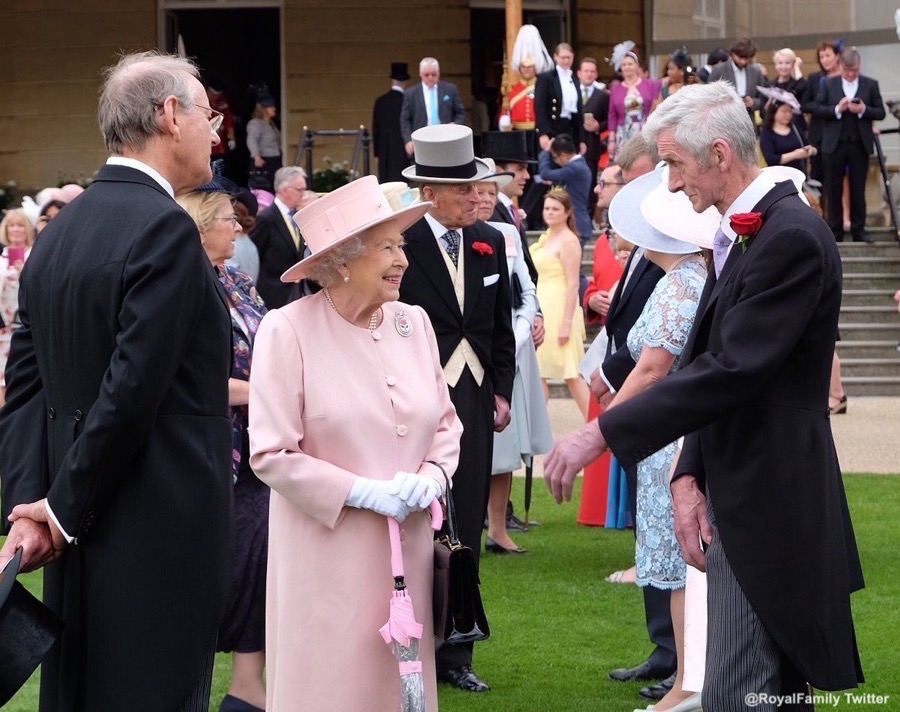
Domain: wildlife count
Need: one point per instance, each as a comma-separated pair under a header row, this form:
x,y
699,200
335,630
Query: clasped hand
x,y
35,534
407,492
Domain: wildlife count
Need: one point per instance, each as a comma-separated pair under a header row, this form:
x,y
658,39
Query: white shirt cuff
x,y
605,379
70,539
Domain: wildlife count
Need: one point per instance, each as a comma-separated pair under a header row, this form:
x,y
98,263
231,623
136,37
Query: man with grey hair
x,y
772,530
429,103
278,240
116,442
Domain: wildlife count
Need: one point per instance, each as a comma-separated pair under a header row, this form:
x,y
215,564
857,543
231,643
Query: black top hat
x,y
28,629
506,146
399,71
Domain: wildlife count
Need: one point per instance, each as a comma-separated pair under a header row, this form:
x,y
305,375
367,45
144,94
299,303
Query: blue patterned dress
x,y
665,323
243,626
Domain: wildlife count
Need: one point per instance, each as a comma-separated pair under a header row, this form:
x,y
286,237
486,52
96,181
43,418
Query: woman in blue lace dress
x,y
656,342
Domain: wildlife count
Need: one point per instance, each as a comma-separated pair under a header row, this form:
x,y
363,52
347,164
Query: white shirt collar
x,y
285,210
746,201
438,229
400,89
563,73
850,88
505,199
143,168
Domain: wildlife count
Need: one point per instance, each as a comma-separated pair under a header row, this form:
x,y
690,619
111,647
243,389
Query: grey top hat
x,y
444,153
506,146
626,218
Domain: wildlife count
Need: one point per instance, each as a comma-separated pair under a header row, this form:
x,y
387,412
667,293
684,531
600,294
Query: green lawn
x,y
558,628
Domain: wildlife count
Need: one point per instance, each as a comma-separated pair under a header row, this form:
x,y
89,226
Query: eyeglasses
x,y
233,219
215,118
604,183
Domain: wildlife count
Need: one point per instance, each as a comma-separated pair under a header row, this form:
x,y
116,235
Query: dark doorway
x,y
488,35
239,49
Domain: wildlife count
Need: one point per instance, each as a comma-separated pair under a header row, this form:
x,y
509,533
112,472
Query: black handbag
x,y
458,612
517,298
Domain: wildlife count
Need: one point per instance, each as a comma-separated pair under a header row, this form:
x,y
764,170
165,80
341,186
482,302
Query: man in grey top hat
x,y
457,273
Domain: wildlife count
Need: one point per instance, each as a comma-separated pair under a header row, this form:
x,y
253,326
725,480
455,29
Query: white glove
x,y
232,144
378,496
418,491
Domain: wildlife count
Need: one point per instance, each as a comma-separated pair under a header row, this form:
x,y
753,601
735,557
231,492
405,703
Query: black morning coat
x,y
752,400
118,387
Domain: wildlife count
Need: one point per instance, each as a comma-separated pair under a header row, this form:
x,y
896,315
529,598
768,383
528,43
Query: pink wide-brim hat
x,y
344,213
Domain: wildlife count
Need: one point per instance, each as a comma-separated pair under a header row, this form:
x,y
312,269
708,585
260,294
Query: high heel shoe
x,y
841,407
495,548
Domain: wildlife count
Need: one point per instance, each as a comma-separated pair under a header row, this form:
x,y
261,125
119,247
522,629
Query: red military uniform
x,y
219,102
521,105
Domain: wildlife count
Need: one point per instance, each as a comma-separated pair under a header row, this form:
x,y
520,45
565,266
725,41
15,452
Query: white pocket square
x,y
491,279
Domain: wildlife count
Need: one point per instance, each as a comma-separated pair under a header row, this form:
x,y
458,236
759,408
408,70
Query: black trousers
x,y
657,606
849,157
471,483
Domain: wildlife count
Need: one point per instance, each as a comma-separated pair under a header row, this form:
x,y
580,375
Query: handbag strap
x,y
451,510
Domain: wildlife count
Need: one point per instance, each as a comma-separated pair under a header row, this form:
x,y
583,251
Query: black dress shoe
x,y
462,678
657,692
495,548
233,704
640,673
513,523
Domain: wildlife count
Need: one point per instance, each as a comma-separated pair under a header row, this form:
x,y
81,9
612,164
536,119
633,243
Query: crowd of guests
x,y
443,328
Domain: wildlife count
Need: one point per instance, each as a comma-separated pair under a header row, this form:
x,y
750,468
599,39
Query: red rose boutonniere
x,y
745,226
482,248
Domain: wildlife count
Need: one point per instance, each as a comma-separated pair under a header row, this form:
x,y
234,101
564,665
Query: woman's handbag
x,y
458,612
517,297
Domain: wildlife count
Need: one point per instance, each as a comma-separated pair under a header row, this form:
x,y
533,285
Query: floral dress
x,y
633,121
665,322
243,626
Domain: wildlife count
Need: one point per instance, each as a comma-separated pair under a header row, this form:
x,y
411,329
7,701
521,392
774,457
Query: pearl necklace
x,y
373,320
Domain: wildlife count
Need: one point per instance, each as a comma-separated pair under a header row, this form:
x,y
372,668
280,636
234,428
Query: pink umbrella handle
x,y
437,518
437,514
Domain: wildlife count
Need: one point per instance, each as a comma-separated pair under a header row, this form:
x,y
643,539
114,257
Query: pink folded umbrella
x,y
402,632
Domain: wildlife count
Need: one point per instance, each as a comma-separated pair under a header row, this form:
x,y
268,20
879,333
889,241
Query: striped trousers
x,y
745,668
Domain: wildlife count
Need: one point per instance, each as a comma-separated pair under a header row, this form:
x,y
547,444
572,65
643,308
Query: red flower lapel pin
x,y
482,248
745,226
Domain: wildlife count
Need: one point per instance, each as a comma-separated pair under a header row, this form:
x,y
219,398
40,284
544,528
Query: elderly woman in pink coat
x,y
350,423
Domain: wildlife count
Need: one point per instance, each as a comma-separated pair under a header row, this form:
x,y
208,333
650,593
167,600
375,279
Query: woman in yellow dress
x,y
557,256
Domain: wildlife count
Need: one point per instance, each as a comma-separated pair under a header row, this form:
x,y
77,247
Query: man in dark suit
x,y
636,158
278,241
715,58
126,343
594,118
557,101
429,103
457,274
387,140
780,555
744,76
847,106
509,150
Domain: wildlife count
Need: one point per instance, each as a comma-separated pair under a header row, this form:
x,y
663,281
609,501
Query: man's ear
x,y
169,110
722,154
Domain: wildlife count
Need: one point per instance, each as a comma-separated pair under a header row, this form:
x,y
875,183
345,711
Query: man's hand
x,y
599,302
568,456
591,125
501,414
843,104
537,330
544,142
691,524
598,386
748,102
34,532
582,148
856,107
409,148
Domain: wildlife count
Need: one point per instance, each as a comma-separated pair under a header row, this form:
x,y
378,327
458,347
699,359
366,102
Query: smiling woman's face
x,y
376,274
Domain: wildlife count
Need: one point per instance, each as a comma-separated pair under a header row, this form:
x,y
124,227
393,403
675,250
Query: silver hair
x,y
850,57
699,114
133,92
285,175
429,62
324,270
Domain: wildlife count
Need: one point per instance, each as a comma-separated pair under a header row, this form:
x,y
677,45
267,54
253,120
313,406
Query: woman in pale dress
x,y
557,256
350,422
655,342
528,433
17,237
